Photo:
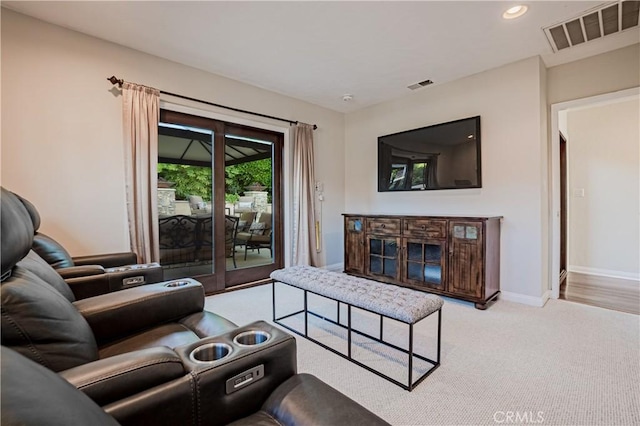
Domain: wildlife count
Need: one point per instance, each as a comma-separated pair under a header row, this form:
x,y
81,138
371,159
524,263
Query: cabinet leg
x,y
484,305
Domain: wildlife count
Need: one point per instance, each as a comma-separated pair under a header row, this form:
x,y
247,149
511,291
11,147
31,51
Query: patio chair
x,y
178,243
230,231
246,219
258,236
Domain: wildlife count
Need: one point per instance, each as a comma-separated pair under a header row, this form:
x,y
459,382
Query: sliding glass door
x,y
219,200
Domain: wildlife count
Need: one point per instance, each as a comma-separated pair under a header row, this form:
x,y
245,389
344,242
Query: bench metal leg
x,y
410,352
276,318
306,316
273,301
410,383
439,327
349,331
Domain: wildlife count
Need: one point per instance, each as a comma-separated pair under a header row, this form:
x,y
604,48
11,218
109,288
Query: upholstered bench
x,y
386,300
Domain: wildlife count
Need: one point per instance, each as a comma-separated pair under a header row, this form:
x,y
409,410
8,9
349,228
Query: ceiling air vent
x,y
609,18
420,84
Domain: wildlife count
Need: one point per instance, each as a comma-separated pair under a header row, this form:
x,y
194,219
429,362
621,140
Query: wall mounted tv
x,y
442,156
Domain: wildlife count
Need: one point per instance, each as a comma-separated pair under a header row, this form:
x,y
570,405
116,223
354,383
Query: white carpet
x,y
564,364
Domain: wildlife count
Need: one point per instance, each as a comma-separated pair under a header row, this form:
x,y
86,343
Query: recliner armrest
x,y
80,271
107,260
117,377
202,396
119,314
133,275
304,399
89,286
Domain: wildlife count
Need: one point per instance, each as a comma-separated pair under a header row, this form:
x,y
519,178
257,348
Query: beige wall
x,y
604,162
62,130
596,75
508,99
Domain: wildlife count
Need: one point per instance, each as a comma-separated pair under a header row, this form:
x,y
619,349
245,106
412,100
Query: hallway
x,y
606,292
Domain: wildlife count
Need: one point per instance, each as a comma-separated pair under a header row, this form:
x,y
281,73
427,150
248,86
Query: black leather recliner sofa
x,y
146,355
94,274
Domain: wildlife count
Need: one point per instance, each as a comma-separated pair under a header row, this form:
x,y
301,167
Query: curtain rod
x,y
120,82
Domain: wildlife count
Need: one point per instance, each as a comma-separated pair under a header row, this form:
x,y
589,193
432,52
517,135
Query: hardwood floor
x,y
611,293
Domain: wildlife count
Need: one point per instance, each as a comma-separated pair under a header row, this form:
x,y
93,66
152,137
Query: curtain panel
x,y
141,112
304,210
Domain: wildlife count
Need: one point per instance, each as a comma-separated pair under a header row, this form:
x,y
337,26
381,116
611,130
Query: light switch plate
x,y
578,192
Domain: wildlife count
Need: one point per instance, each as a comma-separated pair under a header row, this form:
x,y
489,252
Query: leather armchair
x,y
33,395
42,319
142,355
94,274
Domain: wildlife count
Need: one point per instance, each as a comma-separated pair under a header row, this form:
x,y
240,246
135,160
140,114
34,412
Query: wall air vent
x,y
420,84
609,18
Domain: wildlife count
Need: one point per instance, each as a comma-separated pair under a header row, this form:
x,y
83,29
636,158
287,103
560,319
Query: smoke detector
x,y
347,98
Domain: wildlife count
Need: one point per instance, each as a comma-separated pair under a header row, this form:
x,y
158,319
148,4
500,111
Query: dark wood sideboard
x,y
452,256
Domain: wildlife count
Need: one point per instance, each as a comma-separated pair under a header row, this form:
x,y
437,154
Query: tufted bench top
x,y
400,303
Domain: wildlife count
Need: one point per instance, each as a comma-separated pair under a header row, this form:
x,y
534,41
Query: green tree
x,y
239,176
196,180
187,180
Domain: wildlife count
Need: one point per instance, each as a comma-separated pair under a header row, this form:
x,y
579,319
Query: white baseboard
x,y
524,299
604,272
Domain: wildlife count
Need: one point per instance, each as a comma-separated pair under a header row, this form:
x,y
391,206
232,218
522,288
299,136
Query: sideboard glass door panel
x,y
424,263
382,257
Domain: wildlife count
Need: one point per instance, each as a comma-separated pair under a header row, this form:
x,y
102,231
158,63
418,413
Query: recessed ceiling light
x,y
515,12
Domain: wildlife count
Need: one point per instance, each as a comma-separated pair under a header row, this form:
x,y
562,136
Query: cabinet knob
x,y
382,226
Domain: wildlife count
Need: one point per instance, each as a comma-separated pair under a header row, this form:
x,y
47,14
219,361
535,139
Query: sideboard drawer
x,y
425,228
382,226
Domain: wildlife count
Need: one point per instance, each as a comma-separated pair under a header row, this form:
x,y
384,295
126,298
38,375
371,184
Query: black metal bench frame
x,y
410,352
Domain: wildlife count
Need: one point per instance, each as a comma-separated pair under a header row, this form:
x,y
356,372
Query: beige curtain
x,y
304,212
141,109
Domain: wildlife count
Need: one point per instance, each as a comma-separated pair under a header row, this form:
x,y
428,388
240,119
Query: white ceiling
x,y
319,51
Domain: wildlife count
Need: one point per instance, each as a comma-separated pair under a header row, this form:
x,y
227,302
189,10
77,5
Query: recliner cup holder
x,y
176,283
210,352
251,338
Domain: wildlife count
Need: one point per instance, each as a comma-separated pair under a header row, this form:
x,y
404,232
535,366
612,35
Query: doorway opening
x,y
594,206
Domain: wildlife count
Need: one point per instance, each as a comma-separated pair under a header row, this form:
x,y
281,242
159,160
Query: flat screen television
x,y
442,156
